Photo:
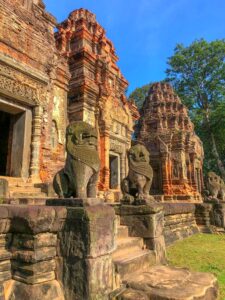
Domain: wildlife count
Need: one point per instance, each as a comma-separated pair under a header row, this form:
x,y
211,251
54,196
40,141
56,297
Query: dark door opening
x,y
5,120
156,188
114,171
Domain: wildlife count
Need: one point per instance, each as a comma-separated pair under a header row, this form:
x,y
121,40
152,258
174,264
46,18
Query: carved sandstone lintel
x,y
21,87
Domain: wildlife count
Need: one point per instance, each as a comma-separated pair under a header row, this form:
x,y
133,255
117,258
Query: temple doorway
x,y
5,120
114,165
15,139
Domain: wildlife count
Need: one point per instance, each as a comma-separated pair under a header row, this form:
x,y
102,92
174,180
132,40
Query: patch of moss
x,y
201,253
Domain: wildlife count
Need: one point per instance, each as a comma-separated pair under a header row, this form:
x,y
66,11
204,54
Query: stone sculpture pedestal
x,y
86,242
57,252
146,221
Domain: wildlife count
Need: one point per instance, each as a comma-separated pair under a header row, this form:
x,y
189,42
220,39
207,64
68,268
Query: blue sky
x,y
145,32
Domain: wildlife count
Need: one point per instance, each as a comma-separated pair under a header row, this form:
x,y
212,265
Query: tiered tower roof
x,y
164,110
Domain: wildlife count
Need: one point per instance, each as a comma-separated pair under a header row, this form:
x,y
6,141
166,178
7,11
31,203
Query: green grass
x,y
202,253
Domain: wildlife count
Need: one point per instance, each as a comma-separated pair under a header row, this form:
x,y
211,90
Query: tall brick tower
x,y
176,151
97,92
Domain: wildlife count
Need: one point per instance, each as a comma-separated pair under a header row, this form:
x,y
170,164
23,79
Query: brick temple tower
x,y
176,151
97,91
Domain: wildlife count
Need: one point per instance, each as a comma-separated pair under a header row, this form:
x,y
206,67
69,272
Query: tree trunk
x,y
214,147
217,157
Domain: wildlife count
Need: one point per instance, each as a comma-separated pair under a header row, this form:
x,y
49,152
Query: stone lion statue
x,y
136,186
215,186
79,176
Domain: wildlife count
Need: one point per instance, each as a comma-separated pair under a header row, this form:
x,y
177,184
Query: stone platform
x,y
167,283
180,221
82,249
140,257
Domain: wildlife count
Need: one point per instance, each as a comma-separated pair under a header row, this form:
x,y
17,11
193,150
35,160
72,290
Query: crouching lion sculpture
x,y
79,176
136,186
215,186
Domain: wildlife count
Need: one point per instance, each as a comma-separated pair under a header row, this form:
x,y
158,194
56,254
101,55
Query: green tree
x,y
197,73
139,94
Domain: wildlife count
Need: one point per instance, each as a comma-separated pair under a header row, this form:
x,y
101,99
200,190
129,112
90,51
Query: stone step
x,y
26,201
24,189
127,262
129,243
20,184
15,179
122,231
166,283
27,195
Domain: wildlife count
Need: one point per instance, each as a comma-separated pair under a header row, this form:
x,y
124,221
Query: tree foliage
x,y
197,73
139,94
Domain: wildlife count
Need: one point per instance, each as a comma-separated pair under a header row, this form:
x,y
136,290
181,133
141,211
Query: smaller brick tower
x,y
176,151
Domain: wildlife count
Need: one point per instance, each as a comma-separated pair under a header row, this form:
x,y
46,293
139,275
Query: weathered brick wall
x,y
33,73
179,221
27,34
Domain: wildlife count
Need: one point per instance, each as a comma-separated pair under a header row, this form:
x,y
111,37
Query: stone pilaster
x,y
36,143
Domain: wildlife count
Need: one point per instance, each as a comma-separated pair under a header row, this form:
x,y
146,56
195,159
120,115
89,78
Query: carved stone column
x,y
166,175
104,155
35,143
123,165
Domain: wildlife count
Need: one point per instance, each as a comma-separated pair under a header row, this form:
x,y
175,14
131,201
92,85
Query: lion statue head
x,y
82,143
213,180
215,186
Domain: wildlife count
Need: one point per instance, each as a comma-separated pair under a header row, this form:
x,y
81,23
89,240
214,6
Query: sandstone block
x,y
130,294
43,291
5,265
5,239
2,294
36,219
88,279
4,212
4,254
28,241
158,245
166,283
88,232
35,268
4,225
4,188
4,276
28,256
146,225
33,279
100,274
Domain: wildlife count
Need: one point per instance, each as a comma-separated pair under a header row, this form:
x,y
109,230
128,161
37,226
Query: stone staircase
x,y
138,277
130,256
21,188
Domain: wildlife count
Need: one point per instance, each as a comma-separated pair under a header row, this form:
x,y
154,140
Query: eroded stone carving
x,y
79,176
215,186
137,184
